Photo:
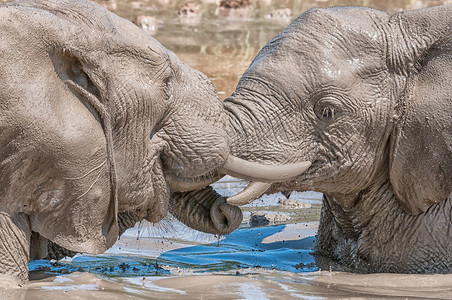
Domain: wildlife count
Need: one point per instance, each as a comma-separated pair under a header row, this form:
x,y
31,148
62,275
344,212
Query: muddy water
x,y
270,261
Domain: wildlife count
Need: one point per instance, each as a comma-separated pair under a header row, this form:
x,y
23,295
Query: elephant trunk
x,y
205,210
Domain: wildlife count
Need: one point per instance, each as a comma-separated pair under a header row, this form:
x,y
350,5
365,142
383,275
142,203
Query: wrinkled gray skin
x,y
366,98
96,118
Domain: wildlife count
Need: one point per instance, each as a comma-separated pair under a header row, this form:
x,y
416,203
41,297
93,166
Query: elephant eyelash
x,y
328,108
328,113
169,86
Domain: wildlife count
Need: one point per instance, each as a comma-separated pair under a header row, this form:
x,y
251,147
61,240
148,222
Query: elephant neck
x,y
376,235
368,206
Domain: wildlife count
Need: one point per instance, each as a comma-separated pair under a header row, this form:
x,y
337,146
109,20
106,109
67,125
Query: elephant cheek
x,y
158,204
155,215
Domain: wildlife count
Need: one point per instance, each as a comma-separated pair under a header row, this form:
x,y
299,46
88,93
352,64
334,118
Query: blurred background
x,y
221,37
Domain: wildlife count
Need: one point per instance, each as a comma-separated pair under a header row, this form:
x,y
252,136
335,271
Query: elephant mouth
x,y
260,176
185,184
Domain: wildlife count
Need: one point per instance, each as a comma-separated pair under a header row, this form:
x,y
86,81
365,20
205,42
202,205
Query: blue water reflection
x,y
244,248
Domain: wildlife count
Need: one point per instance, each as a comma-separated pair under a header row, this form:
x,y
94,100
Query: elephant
x,y
99,120
363,99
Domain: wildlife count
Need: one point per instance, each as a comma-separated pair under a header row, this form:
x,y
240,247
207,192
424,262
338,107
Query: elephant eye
x,y
326,110
169,86
327,113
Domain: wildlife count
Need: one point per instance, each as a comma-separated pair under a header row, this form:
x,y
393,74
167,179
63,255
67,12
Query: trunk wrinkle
x,y
205,210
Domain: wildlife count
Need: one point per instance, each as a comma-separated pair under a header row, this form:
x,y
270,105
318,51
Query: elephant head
x,y
362,99
96,118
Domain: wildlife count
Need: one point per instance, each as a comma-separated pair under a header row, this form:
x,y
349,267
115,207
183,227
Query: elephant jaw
x,y
185,184
261,177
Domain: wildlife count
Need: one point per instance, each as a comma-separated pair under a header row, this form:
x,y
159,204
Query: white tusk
x,y
261,176
253,191
253,171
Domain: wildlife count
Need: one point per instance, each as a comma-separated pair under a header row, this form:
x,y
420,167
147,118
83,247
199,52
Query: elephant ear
x,y
88,218
421,145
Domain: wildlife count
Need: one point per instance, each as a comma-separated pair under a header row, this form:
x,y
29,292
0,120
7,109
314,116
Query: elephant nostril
x,y
226,218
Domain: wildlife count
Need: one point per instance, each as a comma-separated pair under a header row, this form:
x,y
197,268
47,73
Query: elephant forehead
x,y
95,29
333,56
138,39
315,68
318,55
329,43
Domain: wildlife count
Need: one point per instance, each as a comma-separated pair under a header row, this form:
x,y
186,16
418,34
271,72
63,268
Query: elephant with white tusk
x,y
98,119
360,103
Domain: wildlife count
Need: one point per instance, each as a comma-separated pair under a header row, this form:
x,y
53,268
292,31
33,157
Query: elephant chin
x,y
261,177
178,184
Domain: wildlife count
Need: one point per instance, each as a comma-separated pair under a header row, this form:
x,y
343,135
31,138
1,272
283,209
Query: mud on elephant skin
x,y
204,210
96,118
364,99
